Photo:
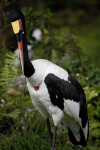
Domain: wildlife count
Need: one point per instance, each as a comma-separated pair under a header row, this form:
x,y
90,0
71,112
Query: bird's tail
x,y
77,134
80,137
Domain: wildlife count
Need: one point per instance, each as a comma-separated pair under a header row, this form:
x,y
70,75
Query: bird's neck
x,y
28,68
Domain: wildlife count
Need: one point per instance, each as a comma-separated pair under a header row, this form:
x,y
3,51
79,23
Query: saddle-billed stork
x,y
54,92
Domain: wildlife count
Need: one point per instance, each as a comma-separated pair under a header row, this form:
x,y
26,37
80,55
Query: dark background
x,y
82,17
70,39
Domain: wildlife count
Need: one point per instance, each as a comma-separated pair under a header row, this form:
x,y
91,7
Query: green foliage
x,y
4,3
3,56
21,126
91,93
36,19
8,72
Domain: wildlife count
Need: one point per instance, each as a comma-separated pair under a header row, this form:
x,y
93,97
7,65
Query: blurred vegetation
x,y
21,126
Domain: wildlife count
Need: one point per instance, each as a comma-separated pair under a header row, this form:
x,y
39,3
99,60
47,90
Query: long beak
x,y
17,28
20,46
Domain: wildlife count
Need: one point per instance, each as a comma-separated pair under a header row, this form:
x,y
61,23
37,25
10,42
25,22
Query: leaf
x,y
95,124
8,72
90,92
14,114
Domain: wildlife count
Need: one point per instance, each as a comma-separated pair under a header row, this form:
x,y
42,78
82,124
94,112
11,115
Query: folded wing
x,y
69,97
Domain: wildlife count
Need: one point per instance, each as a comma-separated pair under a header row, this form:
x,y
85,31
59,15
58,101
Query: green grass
x,y
29,132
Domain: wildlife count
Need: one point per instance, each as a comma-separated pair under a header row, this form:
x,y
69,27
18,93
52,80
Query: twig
x,y
1,30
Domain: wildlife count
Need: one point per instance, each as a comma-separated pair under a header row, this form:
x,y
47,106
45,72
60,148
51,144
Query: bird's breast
x,y
39,93
36,88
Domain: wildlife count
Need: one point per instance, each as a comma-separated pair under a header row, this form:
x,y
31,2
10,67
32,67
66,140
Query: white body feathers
x,y
41,98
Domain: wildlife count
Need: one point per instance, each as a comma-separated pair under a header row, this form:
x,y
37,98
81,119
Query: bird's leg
x,y
54,138
49,131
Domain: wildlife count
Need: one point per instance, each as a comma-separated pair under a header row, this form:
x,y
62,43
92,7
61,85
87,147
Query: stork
x,y
54,92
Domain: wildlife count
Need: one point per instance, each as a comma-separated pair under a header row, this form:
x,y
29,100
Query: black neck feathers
x,y
28,67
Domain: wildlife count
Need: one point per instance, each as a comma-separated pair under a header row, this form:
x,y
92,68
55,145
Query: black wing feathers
x,y
61,87
61,90
82,141
83,108
76,84
55,91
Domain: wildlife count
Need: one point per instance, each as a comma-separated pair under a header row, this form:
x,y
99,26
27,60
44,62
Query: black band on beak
x,y
19,36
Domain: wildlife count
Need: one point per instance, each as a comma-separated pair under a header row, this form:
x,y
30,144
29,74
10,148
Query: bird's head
x,y
17,20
